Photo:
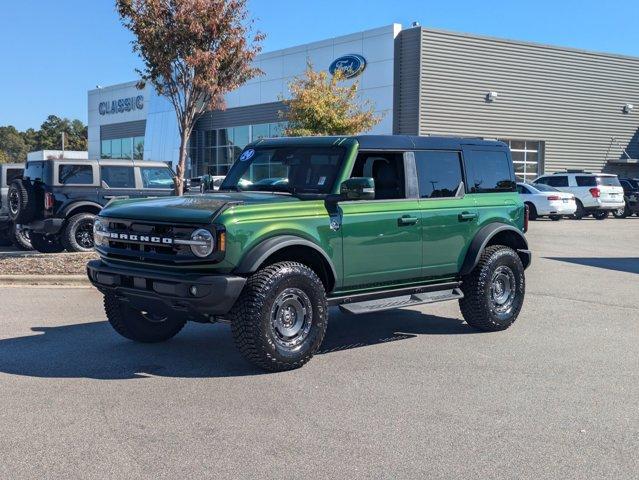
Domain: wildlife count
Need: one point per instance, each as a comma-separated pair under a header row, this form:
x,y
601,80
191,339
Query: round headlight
x,y
204,243
98,237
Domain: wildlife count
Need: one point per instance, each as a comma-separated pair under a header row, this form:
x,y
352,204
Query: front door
x,y
381,238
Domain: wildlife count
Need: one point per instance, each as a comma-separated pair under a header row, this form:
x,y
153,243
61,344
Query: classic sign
x,y
350,65
122,105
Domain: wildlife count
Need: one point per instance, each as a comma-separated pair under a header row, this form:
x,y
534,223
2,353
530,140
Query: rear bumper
x,y
50,226
196,296
559,208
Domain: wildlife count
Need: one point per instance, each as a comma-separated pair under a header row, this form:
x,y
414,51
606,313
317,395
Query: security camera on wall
x,y
628,107
491,96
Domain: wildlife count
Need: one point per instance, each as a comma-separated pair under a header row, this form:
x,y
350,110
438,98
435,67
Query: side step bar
x,y
397,298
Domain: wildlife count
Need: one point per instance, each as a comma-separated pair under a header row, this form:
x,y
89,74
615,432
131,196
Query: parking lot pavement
x,y
406,394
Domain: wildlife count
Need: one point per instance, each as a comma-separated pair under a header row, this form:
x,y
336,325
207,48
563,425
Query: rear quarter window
x,y
607,181
75,174
489,171
583,181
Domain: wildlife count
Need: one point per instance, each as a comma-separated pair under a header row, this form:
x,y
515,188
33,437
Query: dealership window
x,y
213,152
125,148
527,158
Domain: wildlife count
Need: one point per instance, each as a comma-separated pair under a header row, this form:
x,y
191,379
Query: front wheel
x,y
494,291
46,243
20,238
280,319
144,327
78,233
600,214
580,212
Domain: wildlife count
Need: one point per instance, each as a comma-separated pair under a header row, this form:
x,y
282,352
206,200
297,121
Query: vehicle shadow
x,y
620,264
93,350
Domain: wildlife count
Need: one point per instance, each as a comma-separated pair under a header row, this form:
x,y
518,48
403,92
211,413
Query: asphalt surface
x,y
406,394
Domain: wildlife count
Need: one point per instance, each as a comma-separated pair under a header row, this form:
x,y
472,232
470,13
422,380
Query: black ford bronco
x,y
56,200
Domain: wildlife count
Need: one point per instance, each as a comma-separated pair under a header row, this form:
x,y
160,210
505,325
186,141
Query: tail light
x,y
595,192
48,201
526,217
554,197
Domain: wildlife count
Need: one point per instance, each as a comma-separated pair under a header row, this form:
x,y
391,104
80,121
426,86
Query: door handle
x,y
467,216
407,220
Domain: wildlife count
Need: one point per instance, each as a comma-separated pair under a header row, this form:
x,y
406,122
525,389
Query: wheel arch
x,y
82,207
496,234
289,248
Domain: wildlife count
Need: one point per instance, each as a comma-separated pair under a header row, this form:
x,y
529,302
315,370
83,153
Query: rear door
x,y
449,216
382,238
117,181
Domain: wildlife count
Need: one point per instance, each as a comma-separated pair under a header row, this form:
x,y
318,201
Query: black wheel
x,y
494,291
77,235
600,214
20,238
580,212
532,211
555,218
622,212
280,319
144,327
21,202
46,243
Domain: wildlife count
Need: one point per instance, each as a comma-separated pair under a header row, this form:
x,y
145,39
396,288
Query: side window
x,y
387,169
489,171
523,190
542,180
156,178
439,173
75,174
34,171
583,181
558,181
12,174
117,177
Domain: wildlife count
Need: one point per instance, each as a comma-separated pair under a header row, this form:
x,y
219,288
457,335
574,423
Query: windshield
x,y
545,188
297,170
608,181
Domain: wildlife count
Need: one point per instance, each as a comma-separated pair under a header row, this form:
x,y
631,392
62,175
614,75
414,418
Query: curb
x,y
64,280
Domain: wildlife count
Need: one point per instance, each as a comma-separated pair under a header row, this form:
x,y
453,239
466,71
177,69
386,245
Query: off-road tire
x,y
136,326
45,243
600,214
25,198
532,212
20,238
72,229
580,212
476,306
252,323
555,218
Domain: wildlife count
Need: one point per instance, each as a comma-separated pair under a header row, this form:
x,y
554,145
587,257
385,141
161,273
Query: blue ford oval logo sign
x,y
350,65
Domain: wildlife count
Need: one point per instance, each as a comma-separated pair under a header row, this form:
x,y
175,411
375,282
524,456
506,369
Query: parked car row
x,y
578,194
55,201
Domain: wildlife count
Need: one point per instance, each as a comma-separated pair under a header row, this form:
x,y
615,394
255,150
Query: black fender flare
x,y
485,235
75,205
258,254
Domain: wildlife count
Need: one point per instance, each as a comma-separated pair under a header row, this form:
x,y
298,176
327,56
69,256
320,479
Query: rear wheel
x,y
280,319
20,238
622,212
140,326
77,235
21,202
555,218
46,243
494,291
532,211
600,214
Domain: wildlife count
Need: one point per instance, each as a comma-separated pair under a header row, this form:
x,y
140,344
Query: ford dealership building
x,y
558,108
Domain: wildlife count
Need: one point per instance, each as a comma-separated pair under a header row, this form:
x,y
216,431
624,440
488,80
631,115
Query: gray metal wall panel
x,y
406,90
235,117
123,130
570,99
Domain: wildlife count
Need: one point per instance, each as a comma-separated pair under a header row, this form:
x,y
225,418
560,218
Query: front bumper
x,y
196,296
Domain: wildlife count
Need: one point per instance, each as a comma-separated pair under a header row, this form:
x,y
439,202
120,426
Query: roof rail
x,y
577,170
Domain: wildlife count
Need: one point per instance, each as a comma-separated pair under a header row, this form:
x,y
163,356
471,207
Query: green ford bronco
x,y
366,223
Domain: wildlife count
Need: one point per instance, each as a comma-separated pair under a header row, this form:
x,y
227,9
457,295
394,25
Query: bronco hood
x,y
201,209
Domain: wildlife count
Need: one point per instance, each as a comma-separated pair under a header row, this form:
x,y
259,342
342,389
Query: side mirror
x,y
358,188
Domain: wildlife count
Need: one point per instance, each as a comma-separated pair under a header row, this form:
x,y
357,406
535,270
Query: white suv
x,y
596,194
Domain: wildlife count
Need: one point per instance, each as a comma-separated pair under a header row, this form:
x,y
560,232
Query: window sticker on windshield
x,y
322,181
247,155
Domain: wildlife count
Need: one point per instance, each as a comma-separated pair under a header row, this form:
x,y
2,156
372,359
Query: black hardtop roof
x,y
383,142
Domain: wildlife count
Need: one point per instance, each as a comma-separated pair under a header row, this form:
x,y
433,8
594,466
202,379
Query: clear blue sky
x,y
52,52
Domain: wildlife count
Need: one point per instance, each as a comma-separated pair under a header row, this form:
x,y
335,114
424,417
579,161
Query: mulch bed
x,y
45,263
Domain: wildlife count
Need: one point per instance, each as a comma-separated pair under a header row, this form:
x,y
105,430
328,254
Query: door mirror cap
x,y
358,188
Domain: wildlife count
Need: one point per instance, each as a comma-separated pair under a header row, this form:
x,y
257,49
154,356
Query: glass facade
x,y
213,152
528,158
127,148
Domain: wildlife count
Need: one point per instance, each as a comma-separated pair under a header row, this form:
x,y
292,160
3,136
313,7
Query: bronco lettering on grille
x,y
140,238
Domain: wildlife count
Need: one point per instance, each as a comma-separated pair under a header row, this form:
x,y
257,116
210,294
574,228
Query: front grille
x,y
149,244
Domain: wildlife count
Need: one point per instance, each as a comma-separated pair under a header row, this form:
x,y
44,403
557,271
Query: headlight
x,y
204,243
99,238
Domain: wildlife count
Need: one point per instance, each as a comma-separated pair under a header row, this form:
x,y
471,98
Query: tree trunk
x,y
181,167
